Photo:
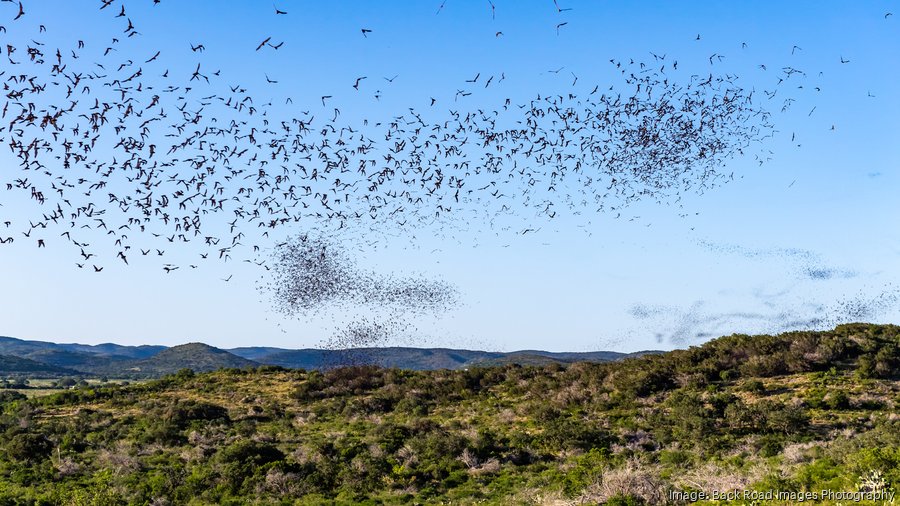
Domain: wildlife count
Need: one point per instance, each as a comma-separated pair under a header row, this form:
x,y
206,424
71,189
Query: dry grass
x,y
476,466
711,478
633,479
798,453
119,459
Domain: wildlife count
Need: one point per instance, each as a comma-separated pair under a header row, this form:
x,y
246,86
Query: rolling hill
x,y
22,367
145,361
23,348
198,357
85,362
422,359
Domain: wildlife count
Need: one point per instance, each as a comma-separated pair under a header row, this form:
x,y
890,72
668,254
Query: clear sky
x,y
807,239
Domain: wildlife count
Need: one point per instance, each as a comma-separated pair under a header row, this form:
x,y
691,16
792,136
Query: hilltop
x,y
197,357
801,411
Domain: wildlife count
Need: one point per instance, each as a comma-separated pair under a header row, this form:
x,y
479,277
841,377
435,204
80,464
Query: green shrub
x,y
624,500
678,458
9,396
28,447
184,412
837,399
754,386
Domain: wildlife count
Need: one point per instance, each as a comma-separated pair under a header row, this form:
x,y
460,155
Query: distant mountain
x,y
116,350
120,361
102,359
522,359
585,356
295,359
195,356
541,358
17,366
255,352
430,358
404,358
23,348
76,360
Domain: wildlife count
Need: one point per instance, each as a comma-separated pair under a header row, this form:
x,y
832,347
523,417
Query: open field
x,y
42,386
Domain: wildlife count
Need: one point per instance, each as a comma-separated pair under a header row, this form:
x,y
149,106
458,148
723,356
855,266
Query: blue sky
x,y
787,244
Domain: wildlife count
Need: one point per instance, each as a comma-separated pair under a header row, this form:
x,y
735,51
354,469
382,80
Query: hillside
x,y
25,348
21,347
79,359
85,362
520,359
197,357
26,368
115,350
256,352
50,360
798,412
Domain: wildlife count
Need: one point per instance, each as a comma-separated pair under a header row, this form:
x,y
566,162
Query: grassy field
x,y
45,386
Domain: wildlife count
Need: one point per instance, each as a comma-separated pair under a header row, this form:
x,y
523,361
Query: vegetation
x,y
802,411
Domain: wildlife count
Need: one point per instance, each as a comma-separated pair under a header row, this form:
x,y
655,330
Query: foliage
x,y
748,411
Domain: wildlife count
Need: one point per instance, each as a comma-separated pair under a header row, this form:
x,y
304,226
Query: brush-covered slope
x,y
802,411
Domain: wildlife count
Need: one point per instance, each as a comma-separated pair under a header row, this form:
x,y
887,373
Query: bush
x,y
184,412
824,473
574,434
7,396
837,399
754,386
625,500
65,383
886,363
678,458
740,417
29,447
786,419
250,452
729,375
689,417
769,445
184,374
